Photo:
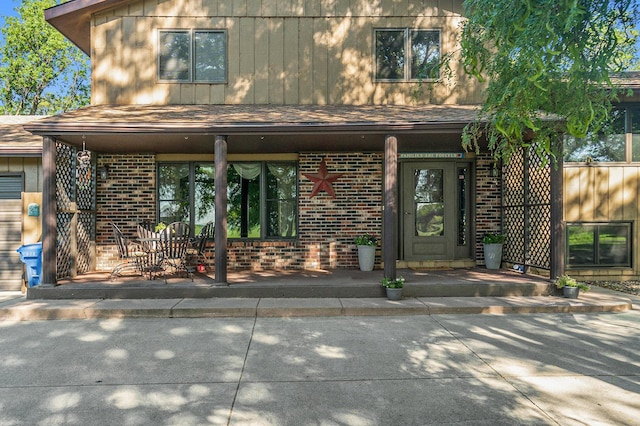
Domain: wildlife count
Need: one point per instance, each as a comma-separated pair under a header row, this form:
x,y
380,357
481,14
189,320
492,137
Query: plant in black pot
x,y
366,251
393,287
570,286
492,244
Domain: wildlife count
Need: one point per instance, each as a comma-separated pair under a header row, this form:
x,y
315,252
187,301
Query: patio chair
x,y
199,243
174,242
150,243
131,254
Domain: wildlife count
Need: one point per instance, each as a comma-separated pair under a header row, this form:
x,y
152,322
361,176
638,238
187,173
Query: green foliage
x,y
566,281
493,239
392,283
41,72
366,240
544,60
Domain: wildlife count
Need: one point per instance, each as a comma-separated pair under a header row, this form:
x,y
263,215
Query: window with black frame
x,y
403,54
611,144
186,193
262,200
603,244
262,197
192,56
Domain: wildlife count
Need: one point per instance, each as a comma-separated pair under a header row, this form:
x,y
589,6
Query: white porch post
x,y
220,152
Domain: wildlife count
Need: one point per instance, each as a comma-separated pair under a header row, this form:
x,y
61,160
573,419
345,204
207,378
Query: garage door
x,y
10,231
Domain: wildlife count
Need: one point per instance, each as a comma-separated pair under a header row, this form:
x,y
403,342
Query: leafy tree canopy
x,y
41,72
543,59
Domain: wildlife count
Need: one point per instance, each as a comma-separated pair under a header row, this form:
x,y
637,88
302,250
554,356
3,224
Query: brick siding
x,y
126,198
488,202
326,226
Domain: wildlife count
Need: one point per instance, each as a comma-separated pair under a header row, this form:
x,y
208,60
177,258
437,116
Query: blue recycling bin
x,y
31,256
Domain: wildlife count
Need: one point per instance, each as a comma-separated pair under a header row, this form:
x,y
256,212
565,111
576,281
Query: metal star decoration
x,y
323,180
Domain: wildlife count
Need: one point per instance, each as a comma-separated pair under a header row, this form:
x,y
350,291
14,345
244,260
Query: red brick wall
x,y
326,226
127,197
488,201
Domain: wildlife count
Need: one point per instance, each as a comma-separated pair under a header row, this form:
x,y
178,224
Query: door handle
x,y
407,213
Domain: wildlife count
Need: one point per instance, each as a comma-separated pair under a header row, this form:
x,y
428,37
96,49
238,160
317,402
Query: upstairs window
x,y
619,142
192,56
407,55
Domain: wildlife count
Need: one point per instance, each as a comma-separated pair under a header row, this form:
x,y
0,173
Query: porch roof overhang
x,y
257,128
15,141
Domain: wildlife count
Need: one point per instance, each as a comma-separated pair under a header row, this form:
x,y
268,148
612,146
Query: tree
x,y
41,72
543,60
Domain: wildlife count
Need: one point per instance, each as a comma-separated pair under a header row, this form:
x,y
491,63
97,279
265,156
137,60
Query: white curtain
x,y
248,171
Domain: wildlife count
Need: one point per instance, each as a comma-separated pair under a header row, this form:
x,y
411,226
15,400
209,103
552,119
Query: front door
x,y
435,210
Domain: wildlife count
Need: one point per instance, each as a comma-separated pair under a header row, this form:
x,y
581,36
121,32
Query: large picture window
x,y
592,244
192,56
407,55
262,200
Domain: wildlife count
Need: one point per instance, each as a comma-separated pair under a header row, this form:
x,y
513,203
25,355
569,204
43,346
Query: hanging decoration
x,y
323,180
83,166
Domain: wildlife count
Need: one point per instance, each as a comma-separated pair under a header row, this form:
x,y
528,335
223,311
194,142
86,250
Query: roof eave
x,y
244,128
73,19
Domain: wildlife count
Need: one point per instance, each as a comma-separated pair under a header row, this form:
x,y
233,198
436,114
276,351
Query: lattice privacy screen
x,y
75,215
526,211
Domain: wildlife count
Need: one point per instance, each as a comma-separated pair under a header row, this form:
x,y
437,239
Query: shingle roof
x,y
254,118
14,140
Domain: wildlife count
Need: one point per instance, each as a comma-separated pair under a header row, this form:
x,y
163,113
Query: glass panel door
x,y
435,211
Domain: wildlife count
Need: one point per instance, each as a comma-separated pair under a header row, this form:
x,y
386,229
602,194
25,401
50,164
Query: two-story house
x,y
295,125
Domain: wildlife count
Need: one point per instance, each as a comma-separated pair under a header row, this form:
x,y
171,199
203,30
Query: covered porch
x,y
217,131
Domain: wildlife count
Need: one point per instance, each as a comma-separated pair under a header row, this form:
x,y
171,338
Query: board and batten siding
x,y
604,193
279,52
21,173
31,167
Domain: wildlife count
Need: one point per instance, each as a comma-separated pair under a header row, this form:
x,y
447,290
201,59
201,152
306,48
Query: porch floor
x,y
339,283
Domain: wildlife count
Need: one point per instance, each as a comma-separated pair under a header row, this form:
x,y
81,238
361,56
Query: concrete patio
x,y
305,293
340,283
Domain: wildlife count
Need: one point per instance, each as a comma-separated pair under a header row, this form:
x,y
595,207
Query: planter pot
x,y
571,292
493,256
394,293
366,257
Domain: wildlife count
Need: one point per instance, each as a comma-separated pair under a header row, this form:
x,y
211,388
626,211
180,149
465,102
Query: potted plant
x,y
393,287
366,251
493,250
570,286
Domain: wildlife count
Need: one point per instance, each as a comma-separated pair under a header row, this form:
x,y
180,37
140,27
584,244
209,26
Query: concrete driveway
x,y
557,369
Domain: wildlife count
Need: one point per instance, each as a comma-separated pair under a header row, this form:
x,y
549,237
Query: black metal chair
x,y
131,254
150,243
174,242
199,243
